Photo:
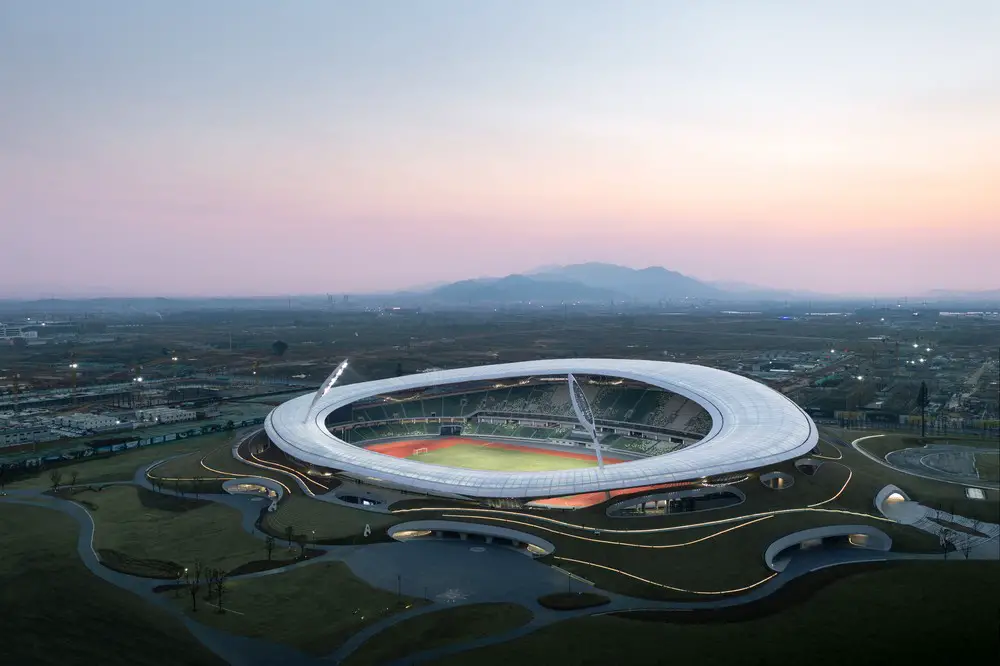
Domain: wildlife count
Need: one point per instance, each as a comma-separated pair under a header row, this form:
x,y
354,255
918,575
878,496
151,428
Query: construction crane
x,y
73,365
137,387
17,392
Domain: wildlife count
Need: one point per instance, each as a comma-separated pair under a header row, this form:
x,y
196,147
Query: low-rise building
x,y
88,422
164,415
28,434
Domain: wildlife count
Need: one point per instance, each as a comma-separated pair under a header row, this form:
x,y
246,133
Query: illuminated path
x,y
435,569
942,477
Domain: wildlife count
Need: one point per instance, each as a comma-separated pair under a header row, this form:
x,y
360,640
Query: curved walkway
x,y
435,567
943,478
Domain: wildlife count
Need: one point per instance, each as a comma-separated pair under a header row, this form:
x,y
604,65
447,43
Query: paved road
x,y
449,573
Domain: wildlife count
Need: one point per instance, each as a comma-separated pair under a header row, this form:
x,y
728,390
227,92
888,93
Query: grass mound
x,y
284,608
267,565
57,613
572,600
138,566
438,629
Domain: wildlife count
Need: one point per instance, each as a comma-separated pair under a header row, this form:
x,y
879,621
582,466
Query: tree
x,y
72,477
220,588
922,400
230,425
301,540
55,476
289,533
279,347
269,544
399,369
967,545
194,584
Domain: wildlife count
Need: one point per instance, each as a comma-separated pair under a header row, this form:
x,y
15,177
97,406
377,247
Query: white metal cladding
x,y
752,426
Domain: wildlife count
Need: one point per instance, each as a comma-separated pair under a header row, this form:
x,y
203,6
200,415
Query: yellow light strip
x,y
274,465
840,454
263,466
605,541
194,478
850,475
240,476
663,585
653,530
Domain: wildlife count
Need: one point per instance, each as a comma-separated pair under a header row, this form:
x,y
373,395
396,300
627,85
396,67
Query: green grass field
x,y
438,629
142,525
489,459
314,608
122,466
324,521
56,612
916,613
988,465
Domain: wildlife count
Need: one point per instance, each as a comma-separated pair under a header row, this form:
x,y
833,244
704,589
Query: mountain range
x,y
586,283
601,283
579,283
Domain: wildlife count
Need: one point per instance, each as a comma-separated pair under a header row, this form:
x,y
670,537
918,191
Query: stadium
x,y
570,433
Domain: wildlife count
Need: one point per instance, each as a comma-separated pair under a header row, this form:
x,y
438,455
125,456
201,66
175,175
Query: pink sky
x,y
269,156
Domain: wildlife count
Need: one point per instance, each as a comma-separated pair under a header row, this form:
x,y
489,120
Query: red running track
x,y
405,448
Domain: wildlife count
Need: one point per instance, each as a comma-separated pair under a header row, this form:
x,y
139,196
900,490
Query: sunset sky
x,y
239,147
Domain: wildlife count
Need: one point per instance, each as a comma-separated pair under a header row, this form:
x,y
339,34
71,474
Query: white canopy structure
x,y
752,427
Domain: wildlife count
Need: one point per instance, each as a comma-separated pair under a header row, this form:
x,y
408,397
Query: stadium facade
x,y
674,422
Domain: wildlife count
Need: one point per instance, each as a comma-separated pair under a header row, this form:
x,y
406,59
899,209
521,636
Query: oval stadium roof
x,y
752,426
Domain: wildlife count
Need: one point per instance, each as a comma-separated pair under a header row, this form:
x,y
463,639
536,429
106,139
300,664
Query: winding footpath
x,y
527,580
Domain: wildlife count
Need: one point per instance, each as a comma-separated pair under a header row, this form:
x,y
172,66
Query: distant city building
x,y
9,333
164,415
17,435
89,422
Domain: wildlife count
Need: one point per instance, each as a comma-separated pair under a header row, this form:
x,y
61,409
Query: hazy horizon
x,y
259,148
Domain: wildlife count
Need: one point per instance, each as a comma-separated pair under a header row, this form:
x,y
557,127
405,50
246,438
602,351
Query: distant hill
x,y
519,289
645,284
578,283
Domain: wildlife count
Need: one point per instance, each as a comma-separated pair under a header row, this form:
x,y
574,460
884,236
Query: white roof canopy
x,y
752,426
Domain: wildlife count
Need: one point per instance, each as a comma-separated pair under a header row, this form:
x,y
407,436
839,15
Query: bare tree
x,y
967,545
302,540
210,584
55,476
194,585
72,477
220,588
269,544
289,533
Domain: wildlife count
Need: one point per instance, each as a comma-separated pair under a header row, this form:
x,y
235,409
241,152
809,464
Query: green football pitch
x,y
489,459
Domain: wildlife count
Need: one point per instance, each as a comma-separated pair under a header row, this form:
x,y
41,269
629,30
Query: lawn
x,y
881,446
870,476
122,466
730,558
988,465
438,629
324,521
477,456
314,608
919,613
140,525
56,613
